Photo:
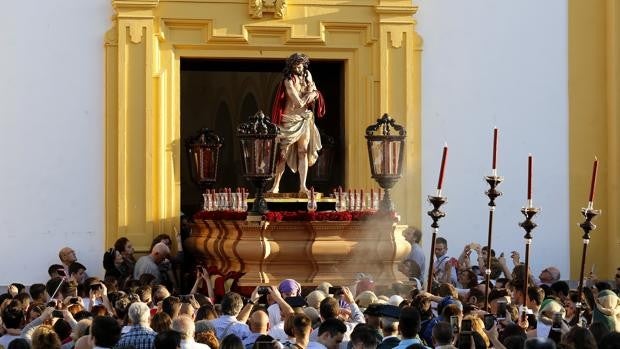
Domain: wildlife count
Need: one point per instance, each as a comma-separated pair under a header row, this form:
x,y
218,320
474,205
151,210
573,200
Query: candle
x,y
593,182
362,200
443,166
529,178
495,150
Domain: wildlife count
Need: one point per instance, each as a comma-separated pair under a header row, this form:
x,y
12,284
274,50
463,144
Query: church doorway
x,y
219,94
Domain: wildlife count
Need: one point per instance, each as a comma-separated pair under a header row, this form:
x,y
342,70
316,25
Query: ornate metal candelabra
x,y
436,214
528,225
589,213
492,193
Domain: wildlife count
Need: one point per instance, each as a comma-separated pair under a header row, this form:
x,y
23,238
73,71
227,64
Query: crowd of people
x,y
143,304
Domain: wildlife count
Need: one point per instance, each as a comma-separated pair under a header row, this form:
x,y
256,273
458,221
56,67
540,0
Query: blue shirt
x,y
138,337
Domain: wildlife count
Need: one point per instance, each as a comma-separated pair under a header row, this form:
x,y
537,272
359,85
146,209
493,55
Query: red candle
x,y
593,182
443,166
495,148
529,177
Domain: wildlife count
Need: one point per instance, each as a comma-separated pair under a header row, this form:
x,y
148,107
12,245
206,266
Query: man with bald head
x,y
259,325
149,264
186,327
67,256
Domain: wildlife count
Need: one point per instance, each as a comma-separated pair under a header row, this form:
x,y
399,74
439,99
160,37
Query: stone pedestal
x,y
309,252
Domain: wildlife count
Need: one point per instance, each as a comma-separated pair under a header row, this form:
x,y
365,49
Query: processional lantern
x,y
203,153
386,144
259,149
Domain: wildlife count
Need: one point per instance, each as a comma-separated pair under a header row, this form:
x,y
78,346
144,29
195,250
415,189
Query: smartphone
x,y
489,321
557,322
466,326
501,310
57,314
336,290
454,323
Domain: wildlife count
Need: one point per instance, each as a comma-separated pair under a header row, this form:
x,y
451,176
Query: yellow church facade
x,y
382,53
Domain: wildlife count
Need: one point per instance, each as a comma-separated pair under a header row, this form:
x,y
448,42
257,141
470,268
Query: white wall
x,y
485,63
504,64
51,135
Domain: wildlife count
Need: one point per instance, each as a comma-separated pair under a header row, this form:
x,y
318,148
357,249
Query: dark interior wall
x,y
221,94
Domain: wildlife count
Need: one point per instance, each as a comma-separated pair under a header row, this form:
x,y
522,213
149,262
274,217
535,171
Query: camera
x,y
466,326
501,310
57,314
74,300
262,290
489,321
61,272
336,290
95,287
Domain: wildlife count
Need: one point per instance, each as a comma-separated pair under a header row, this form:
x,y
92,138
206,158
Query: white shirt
x,y
191,344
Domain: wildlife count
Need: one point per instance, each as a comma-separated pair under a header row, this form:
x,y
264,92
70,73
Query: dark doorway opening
x,y
222,93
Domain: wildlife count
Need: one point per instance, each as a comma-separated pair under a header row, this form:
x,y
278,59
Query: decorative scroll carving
x,y
258,7
135,32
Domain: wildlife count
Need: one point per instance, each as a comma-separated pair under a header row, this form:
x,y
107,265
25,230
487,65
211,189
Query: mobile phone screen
x,y
454,323
489,321
501,310
466,326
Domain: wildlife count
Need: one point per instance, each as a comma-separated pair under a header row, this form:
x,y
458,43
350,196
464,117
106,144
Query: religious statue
x,y
292,110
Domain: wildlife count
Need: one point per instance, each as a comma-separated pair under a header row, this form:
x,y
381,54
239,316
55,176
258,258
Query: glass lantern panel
x,y
205,160
257,155
385,156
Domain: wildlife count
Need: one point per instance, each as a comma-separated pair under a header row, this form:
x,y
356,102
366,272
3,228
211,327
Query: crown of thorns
x,y
297,58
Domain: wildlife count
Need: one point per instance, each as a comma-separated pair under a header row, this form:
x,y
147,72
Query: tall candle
x,y
443,166
529,177
495,149
593,182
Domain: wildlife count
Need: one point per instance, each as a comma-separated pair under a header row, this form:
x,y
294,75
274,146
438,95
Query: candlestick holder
x,y
528,225
436,214
493,194
587,226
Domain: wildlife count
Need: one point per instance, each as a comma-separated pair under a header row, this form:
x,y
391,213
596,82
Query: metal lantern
x,y
386,144
259,148
203,153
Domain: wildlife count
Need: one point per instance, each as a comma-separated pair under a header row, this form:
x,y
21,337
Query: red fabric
x,y
279,104
320,105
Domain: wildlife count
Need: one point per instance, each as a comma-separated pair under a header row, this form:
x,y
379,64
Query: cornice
x,y
134,4
396,10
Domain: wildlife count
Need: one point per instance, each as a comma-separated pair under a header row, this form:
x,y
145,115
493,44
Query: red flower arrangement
x,y
346,216
304,216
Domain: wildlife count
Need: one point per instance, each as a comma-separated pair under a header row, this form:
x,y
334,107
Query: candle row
x,y
225,199
354,200
530,161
